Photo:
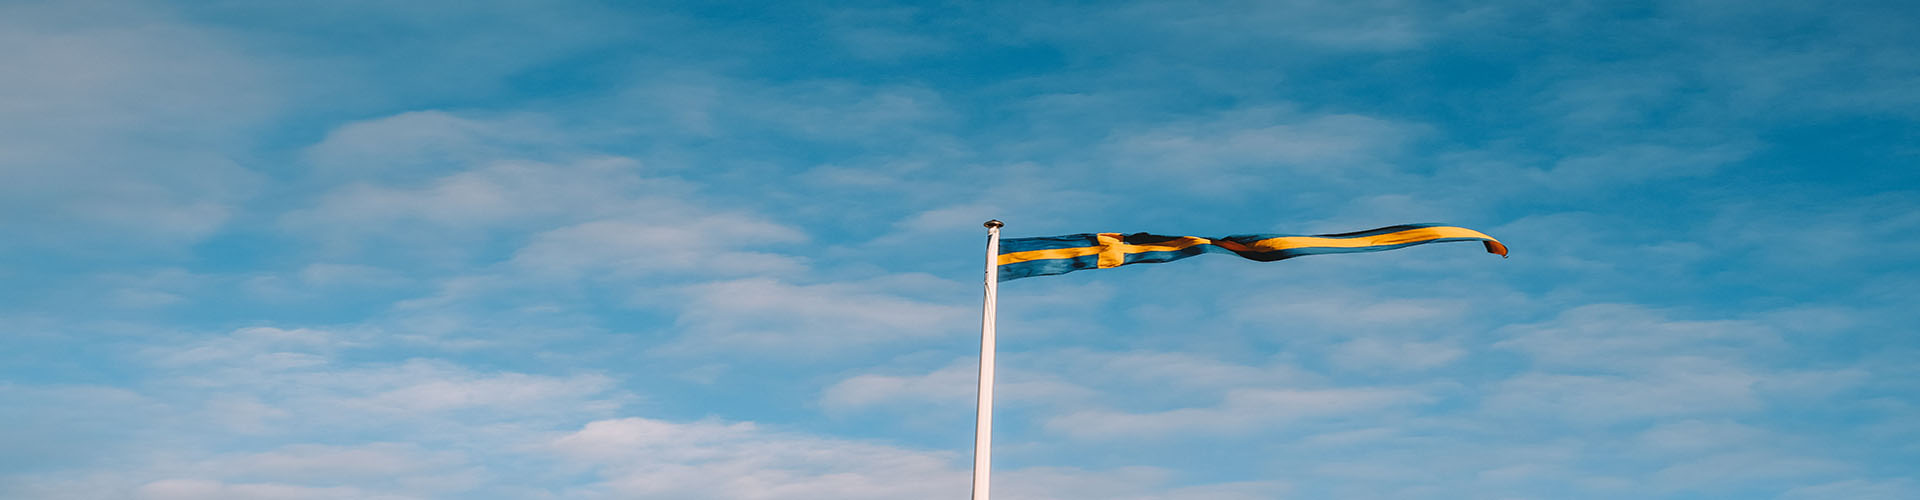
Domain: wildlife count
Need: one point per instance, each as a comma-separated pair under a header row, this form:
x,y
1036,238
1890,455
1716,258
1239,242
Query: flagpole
x,y
983,418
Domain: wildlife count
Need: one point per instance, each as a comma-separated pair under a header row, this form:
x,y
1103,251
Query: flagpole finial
x,y
993,224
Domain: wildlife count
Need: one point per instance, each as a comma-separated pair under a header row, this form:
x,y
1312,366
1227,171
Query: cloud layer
x,y
572,250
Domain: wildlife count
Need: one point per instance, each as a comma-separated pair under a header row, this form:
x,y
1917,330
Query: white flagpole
x,y
983,420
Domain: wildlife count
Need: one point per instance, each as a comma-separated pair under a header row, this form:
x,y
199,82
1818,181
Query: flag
x,y
1050,255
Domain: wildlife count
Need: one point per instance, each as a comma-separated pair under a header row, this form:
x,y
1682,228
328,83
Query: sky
x,y
674,250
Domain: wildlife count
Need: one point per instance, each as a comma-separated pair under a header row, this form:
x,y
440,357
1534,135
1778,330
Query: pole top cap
x,y
993,224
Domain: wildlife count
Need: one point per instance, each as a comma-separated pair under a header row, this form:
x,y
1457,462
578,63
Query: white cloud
x,y
437,181
1031,196
1353,437
1625,338
1176,371
1087,393
1611,362
1374,353
1099,395
576,216
1733,469
1128,483
1250,146
1347,312
272,380
1837,235
421,391
1178,27
1310,142
1669,389
198,489
1240,411
144,289
705,106
769,316
952,386
642,458
324,274
261,346
496,194
245,414
1857,489
689,243
502,392
1697,436
948,218
1620,96
1853,63
392,467
119,122
412,144
184,433
1631,164
61,424
886,34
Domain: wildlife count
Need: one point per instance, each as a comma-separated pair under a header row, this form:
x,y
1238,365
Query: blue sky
x,y
579,250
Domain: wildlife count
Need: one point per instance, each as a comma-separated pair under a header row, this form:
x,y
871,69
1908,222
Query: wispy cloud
x,y
1241,411
772,317
647,458
951,388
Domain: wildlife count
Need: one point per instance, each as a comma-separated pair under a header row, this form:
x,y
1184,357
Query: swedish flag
x,y
1050,255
